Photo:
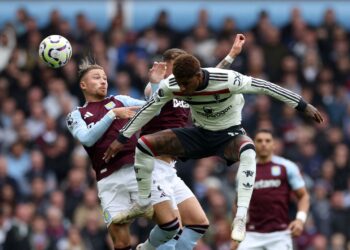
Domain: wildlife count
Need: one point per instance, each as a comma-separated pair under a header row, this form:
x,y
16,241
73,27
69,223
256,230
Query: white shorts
x,y
173,184
280,240
119,190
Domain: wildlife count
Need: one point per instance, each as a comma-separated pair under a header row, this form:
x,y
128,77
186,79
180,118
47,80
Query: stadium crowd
x,y
48,197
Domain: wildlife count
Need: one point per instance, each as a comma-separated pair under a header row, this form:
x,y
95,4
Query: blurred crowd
x,y
48,197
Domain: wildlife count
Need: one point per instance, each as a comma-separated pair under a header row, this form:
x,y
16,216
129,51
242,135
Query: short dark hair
x,y
85,66
172,54
264,130
186,66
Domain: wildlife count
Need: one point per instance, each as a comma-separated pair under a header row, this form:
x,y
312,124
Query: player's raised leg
x,y
242,148
148,146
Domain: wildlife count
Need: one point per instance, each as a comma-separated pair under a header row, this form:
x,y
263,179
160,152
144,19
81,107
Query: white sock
x,y
245,180
242,212
143,170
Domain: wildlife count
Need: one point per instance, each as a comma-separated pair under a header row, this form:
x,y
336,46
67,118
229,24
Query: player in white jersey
x,y
216,102
175,115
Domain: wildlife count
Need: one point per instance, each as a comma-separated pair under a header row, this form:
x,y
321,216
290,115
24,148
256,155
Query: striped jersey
x,y
217,105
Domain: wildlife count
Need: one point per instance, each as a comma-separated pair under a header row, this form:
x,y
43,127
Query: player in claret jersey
x,y
95,126
175,114
268,226
215,97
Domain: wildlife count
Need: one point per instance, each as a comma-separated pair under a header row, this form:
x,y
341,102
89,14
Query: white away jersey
x,y
217,105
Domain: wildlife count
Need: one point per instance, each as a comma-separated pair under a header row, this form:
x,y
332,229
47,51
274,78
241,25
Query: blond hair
x,y
85,66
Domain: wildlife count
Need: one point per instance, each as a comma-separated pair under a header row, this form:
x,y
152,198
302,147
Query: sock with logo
x,y
245,178
190,235
144,163
170,245
160,234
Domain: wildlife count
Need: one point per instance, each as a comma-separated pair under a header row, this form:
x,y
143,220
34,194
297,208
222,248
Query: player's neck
x,y
264,160
93,98
204,81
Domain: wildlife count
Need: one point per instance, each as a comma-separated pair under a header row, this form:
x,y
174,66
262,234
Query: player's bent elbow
x,y
86,142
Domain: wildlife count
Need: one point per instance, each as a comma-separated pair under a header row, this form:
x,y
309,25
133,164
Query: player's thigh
x,y
164,142
232,149
192,213
120,234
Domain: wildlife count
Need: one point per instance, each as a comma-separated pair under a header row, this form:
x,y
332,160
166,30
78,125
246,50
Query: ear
x,y
199,75
82,85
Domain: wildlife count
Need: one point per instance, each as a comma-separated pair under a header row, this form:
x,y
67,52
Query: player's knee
x,y
247,153
144,146
170,228
204,221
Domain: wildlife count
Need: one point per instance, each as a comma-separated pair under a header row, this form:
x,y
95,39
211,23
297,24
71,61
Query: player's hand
x,y
237,45
296,227
112,150
234,244
125,112
313,113
157,72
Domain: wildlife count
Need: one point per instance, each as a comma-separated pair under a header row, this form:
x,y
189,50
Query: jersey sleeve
x,y
154,87
295,179
84,134
242,84
129,101
147,112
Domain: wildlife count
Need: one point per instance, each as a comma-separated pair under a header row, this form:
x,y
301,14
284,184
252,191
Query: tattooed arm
x,y
235,50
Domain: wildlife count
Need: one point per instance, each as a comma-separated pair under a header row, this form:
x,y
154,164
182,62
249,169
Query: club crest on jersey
x,y
107,216
275,170
207,110
160,92
110,105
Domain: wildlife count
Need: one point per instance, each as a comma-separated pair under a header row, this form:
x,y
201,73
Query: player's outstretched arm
x,y
144,115
235,51
243,84
88,135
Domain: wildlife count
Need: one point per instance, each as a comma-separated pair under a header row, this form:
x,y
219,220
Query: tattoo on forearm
x,y
223,64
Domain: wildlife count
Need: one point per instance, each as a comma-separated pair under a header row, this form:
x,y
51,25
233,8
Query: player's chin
x,y
102,92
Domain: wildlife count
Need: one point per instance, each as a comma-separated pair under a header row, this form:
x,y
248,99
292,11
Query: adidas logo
x,y
247,185
87,115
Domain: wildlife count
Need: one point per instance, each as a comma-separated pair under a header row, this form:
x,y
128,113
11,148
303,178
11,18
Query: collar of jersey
x,y
205,80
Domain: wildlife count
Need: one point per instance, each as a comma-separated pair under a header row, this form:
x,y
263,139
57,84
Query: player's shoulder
x,y
288,164
73,117
217,75
75,111
169,81
169,84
